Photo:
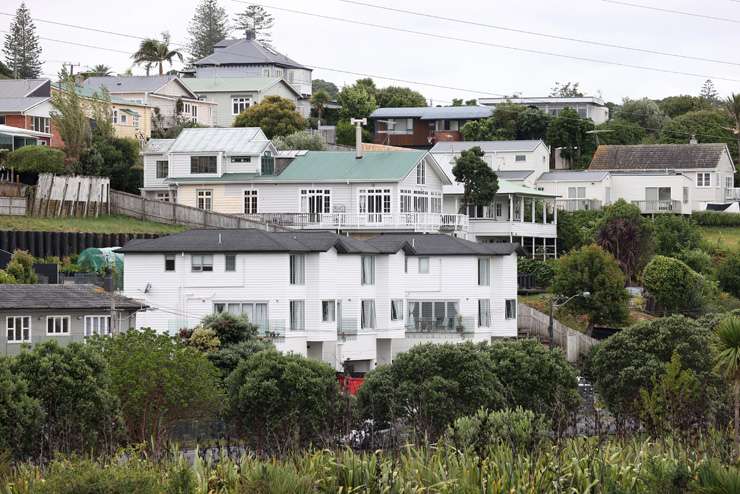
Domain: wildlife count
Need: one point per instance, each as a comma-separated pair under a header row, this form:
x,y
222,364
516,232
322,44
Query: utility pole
x,y
72,67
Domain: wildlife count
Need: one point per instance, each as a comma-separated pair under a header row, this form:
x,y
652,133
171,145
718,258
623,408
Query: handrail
x,y
413,221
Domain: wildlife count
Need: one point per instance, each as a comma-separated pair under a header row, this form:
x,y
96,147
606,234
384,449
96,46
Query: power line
x,y
543,35
496,45
672,11
74,43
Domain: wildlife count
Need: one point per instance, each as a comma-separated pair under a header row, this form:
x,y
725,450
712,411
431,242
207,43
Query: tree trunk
x,y
161,70
736,432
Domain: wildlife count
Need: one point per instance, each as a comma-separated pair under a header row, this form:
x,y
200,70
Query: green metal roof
x,y
231,84
333,166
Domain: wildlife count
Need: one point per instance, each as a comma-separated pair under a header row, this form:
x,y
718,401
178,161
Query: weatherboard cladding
x,y
61,297
233,84
486,146
657,156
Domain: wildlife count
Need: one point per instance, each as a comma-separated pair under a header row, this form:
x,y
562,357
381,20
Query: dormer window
x,y
421,175
203,164
241,159
268,164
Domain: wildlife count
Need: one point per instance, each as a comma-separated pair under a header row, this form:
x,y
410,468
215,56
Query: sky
x,y
475,70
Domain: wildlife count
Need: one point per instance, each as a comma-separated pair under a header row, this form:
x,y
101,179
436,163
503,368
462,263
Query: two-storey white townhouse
x,y
348,302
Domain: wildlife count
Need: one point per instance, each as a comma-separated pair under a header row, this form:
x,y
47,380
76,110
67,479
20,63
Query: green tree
x,y
697,259
255,19
674,106
395,96
457,102
6,279
675,286
480,181
99,70
532,123
159,382
319,100
732,106
643,112
227,357
321,85
577,228
276,116
73,386
346,133
568,131
593,270
627,236
300,140
229,328
502,125
21,417
675,233
36,159
727,363
283,401
355,102
566,90
146,54
20,268
69,118
116,158
728,273
208,26
102,114
713,125
22,49
618,131
709,93
5,72
153,52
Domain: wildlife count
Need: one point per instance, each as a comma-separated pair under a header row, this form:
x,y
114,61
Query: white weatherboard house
x,y
586,106
351,303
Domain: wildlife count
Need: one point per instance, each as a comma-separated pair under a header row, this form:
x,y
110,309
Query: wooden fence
x,y
534,323
13,206
71,195
178,214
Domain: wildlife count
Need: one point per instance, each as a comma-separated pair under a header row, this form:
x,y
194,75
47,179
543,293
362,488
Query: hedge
x,y
36,159
714,218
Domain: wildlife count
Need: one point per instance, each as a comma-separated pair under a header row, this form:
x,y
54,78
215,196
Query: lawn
x,y
103,224
722,236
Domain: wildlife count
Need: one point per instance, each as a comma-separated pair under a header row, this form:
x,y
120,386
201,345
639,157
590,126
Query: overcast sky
x,y
337,45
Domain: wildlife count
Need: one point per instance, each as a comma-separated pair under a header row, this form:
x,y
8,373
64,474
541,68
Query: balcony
x,y
659,207
274,328
446,325
571,205
732,194
418,222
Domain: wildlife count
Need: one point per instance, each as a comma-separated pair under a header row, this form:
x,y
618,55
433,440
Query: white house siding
x,y
224,116
631,187
298,78
537,160
599,190
150,171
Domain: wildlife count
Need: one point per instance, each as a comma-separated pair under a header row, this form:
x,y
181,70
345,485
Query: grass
x,y
723,238
102,224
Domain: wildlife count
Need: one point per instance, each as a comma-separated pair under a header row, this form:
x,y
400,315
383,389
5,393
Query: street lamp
x,y
555,305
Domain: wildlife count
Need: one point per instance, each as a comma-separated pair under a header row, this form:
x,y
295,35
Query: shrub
x,y
21,417
543,271
20,268
303,140
6,278
227,358
675,233
626,235
276,116
577,228
37,159
696,259
229,328
520,429
204,339
728,274
90,477
675,286
714,218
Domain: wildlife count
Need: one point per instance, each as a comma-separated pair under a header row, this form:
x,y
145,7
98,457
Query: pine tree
x,y
22,49
708,92
257,20
208,26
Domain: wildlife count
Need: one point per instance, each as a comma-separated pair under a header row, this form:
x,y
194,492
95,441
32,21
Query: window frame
x,y
267,164
367,270
484,313
199,168
251,201
201,266
330,315
427,263
397,309
158,170
518,158
292,307
61,318
510,308
229,263
368,304
104,317
240,159
705,181
297,270
173,258
421,173
240,104
15,330
204,199
484,274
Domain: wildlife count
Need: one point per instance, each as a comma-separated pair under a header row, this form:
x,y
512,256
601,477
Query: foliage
x,y
153,52
227,358
708,92
712,125
255,19
479,180
543,271
276,116
675,286
73,386
70,120
117,158
568,131
208,26
282,400
625,234
674,106
620,132
509,122
566,90
431,385
728,273
204,339
36,159
696,259
20,268
674,233
642,112
396,96
319,100
629,360
346,133
593,270
355,102
300,140
21,416
321,85
577,228
229,328
727,363
102,115
22,49
714,218
6,279
158,382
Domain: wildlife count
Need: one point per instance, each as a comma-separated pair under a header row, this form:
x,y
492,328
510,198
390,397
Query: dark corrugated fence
x,y
61,244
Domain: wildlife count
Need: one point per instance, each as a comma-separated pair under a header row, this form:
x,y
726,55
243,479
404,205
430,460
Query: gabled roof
x,y
158,146
434,112
247,52
235,84
19,105
20,88
230,140
573,176
504,187
455,147
89,92
657,156
63,297
133,84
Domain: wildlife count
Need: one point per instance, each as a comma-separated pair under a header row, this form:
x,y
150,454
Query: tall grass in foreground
x,y
572,466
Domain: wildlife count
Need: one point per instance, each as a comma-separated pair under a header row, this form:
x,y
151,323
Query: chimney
x,y
692,139
358,123
251,35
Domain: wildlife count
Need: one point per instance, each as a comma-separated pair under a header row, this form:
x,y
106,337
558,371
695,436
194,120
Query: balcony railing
x,y
450,325
578,204
379,221
732,194
658,207
274,328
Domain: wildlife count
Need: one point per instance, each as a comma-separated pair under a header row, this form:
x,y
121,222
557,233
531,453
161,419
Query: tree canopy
x,y
480,181
208,26
509,122
21,416
395,96
276,116
713,125
568,131
675,286
22,49
320,84
623,232
356,101
257,20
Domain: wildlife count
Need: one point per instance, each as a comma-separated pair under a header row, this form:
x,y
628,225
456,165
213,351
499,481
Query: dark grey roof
x,y
129,84
513,174
434,112
61,297
486,146
251,240
20,88
657,156
246,52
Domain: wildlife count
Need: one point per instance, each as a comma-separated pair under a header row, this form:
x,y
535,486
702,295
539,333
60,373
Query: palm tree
x,y
319,101
732,105
146,53
163,53
101,70
727,362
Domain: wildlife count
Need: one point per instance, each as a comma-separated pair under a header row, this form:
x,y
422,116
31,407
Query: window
x,y
576,192
255,312
123,118
163,196
421,174
241,159
268,164
204,199
368,270
297,315
520,157
41,124
405,264
421,201
582,112
703,179
240,104
297,269
484,271
203,164
18,328
367,315
250,202
729,182
686,195
375,203
499,209
328,311
315,201
169,262
230,262
201,262
114,116
511,308
428,314
162,168
423,265
56,325
406,201
135,118
396,310
484,313
2,119
435,201
97,325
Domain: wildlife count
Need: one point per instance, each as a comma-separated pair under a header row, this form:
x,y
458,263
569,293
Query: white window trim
x,y
332,303
516,308
30,327
69,325
429,265
239,101
252,193
105,317
705,183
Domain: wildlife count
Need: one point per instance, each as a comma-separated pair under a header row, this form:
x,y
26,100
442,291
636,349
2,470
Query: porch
x,y
417,222
660,207
571,205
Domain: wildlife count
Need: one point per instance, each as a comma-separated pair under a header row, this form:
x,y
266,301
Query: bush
x,y
346,133
283,401
302,140
276,116
728,274
20,268
229,328
543,271
21,417
696,259
520,429
90,477
227,358
6,278
675,286
675,233
576,229
37,159
714,218
204,339
626,235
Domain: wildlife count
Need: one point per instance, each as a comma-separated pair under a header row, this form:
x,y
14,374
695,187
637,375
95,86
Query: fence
x,y
61,244
13,206
574,343
71,196
178,214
